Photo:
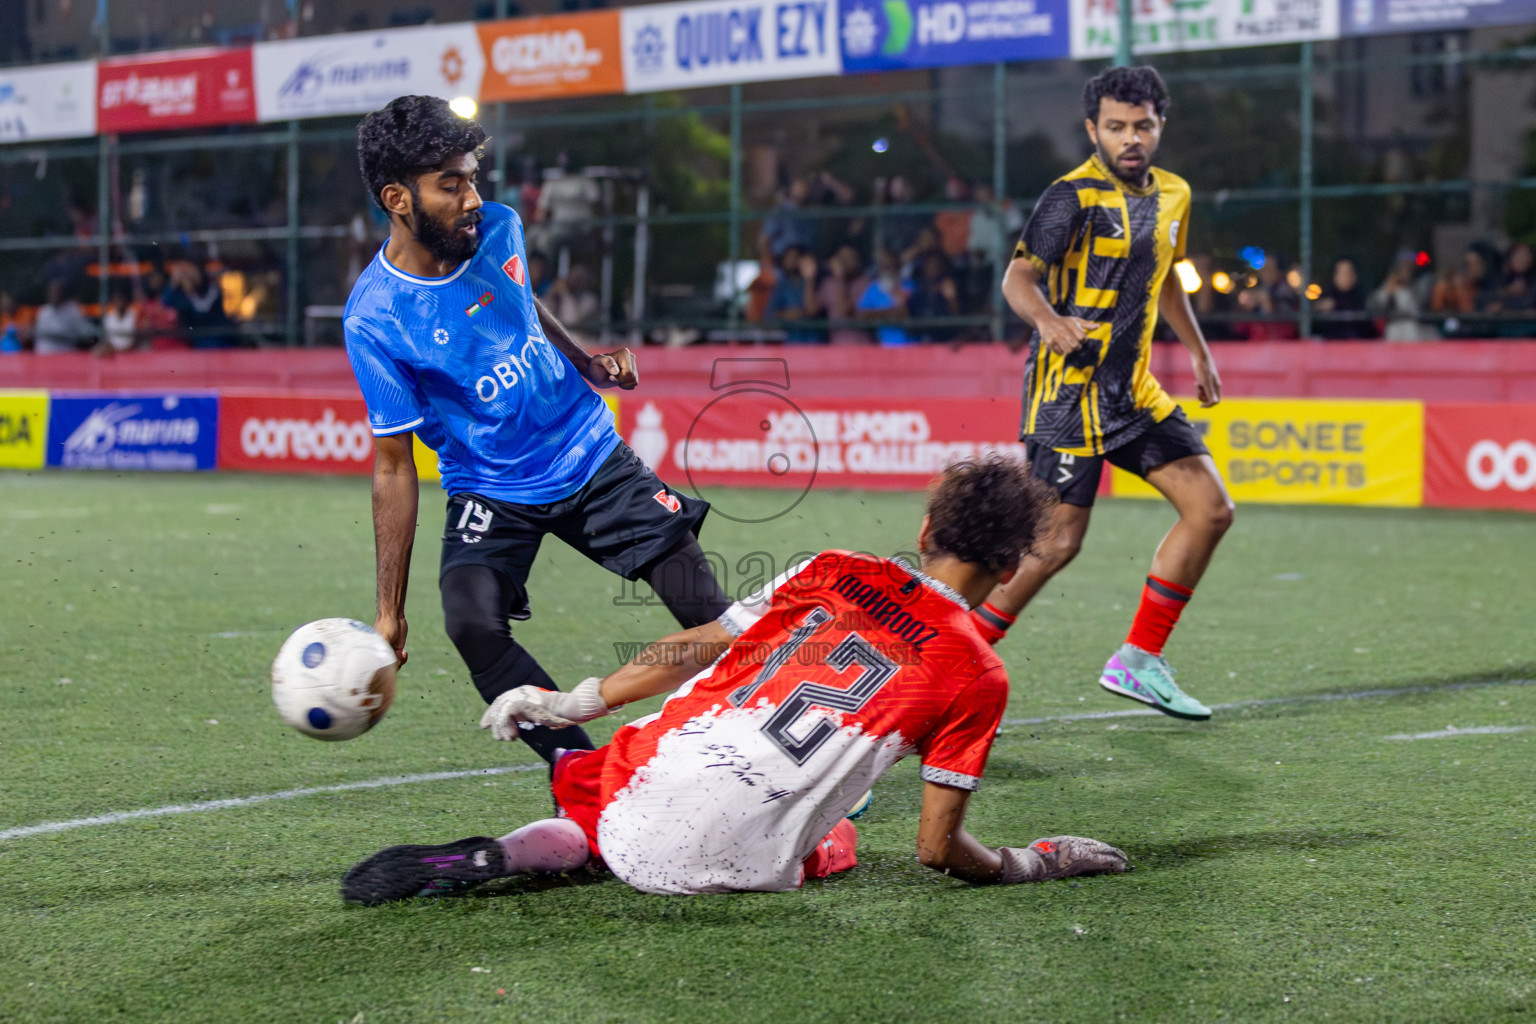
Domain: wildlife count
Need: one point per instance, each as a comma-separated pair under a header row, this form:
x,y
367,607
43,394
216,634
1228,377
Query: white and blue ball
x,y
333,679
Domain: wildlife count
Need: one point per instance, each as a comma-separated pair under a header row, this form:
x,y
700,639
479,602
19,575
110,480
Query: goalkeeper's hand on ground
x,y
1060,857
544,707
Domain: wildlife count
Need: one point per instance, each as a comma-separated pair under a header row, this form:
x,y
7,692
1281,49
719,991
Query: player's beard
x,y
446,242
1131,176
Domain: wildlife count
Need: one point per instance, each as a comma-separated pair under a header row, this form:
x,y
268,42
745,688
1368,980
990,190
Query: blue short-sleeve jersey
x,y
461,361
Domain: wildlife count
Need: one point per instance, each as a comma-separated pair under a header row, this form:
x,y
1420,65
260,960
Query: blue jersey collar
x,y
430,282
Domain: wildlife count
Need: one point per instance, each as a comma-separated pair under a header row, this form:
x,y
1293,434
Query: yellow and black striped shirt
x,y
1105,248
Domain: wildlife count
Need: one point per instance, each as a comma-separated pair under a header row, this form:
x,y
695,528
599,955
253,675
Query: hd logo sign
x,y
23,429
878,35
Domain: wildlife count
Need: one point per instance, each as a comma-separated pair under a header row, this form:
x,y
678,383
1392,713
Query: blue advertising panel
x,y
881,35
151,431
1377,17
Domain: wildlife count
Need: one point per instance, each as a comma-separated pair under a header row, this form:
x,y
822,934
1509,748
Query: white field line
x,y
260,798
117,817
1309,698
1476,730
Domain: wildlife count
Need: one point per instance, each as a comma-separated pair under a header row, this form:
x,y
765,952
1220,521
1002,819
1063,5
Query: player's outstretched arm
x,y
1173,304
616,368
395,502
661,668
944,845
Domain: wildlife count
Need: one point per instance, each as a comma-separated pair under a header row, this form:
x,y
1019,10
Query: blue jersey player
x,y
448,342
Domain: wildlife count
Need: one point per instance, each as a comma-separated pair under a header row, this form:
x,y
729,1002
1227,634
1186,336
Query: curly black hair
x,y
987,511
1128,85
410,137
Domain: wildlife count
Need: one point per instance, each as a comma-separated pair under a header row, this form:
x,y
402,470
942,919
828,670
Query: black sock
x,y
686,584
476,603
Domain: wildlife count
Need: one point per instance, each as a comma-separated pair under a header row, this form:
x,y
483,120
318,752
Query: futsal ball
x,y
333,679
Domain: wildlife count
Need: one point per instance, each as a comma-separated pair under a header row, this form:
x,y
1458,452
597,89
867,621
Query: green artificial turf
x,y
1293,863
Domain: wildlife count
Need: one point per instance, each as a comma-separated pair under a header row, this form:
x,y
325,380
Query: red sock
x,y
1161,603
991,623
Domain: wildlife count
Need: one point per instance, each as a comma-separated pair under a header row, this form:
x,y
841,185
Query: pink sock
x,y
549,847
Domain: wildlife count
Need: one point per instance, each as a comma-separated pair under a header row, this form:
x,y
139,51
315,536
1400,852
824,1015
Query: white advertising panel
x,y
1168,26
54,101
684,45
362,71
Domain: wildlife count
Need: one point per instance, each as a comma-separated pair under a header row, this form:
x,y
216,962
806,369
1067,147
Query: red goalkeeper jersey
x,y
841,667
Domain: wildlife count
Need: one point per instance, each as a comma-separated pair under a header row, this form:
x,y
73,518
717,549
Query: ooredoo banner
x,y
879,35
360,72
568,55
23,429
55,101
291,434
158,431
1309,451
685,45
186,89
761,436
1480,455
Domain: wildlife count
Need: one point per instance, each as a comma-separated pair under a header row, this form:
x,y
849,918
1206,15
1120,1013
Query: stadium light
x,y
880,145
464,106
1189,277
1222,282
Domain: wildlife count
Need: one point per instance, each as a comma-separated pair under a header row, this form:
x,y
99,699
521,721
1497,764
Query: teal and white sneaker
x,y
862,807
1132,672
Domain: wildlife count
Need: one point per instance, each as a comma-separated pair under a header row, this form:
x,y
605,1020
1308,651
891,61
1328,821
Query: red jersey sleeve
x,y
955,753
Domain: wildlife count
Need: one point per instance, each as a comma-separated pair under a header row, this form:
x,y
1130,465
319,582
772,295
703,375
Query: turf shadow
x,y
1183,852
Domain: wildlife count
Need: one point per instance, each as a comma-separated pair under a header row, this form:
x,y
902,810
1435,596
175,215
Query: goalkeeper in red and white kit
x,y
786,711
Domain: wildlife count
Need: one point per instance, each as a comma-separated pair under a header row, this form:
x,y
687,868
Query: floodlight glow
x,y
464,106
880,145
1189,277
1222,282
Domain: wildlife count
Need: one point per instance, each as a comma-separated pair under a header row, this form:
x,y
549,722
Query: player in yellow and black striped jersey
x,y
1091,273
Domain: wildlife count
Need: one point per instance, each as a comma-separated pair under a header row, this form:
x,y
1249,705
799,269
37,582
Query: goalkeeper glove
x,y
544,707
1060,857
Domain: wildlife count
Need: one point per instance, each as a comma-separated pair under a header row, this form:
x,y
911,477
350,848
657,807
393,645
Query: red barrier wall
x,y
1452,371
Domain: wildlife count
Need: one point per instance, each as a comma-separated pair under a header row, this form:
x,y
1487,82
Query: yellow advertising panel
x,y
1309,451
426,458
23,429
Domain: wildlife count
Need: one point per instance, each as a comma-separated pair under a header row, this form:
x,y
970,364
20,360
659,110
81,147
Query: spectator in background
x,y
1484,275
837,295
885,299
934,294
61,326
901,230
15,324
1271,296
1518,293
538,274
954,226
1344,296
786,227
794,296
199,304
119,324
159,323
574,302
831,232
1397,302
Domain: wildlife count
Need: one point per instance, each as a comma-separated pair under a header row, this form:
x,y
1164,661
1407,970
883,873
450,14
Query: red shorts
x,y
578,790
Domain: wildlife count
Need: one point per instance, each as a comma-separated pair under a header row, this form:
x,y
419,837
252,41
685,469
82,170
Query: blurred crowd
x,y
892,278
182,306
1489,293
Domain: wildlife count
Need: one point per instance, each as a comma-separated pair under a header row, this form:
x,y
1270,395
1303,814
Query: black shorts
x,y
1076,477
624,519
